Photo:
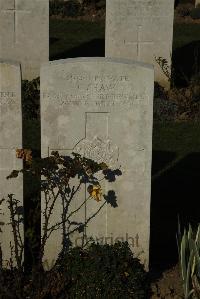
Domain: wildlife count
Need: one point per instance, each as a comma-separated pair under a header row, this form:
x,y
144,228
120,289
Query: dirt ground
x,y
169,286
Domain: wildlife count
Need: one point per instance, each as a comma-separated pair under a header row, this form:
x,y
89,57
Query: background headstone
x,y
24,34
10,140
140,30
197,3
104,105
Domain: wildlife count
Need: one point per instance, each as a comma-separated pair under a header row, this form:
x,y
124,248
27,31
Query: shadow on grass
x,y
93,48
160,160
53,40
175,192
186,62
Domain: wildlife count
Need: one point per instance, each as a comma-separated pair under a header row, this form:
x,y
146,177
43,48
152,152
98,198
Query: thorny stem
x,y
56,226
47,217
17,245
75,229
64,219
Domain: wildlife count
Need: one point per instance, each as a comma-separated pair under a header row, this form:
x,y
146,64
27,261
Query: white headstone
x,y
197,3
103,107
10,140
24,34
140,30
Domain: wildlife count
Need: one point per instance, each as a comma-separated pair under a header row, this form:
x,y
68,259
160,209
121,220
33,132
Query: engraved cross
x,y
15,12
139,43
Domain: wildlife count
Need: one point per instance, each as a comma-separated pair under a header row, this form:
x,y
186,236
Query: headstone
x,y
10,140
140,30
197,3
102,108
24,34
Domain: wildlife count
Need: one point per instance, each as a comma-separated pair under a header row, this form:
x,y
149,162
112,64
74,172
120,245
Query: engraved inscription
x,y
101,99
144,8
85,77
7,97
98,90
7,94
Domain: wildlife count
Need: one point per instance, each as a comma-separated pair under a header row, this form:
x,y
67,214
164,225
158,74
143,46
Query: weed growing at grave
x,y
166,69
177,103
57,185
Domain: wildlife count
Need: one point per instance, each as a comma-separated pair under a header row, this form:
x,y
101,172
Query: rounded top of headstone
x,y
10,62
99,59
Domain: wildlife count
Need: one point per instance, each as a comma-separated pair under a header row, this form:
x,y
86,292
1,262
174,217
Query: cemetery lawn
x,y
185,34
76,38
178,138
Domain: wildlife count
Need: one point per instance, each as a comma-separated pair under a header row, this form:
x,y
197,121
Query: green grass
x,y
185,34
68,34
184,140
178,138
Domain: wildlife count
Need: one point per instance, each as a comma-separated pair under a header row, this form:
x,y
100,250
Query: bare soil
x,y
169,286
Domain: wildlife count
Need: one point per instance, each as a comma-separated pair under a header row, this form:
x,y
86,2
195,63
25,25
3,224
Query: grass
x,y
185,34
177,140
179,137
68,37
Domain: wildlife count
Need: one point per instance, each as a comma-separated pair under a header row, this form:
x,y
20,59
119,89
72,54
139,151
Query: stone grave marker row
x,y
102,109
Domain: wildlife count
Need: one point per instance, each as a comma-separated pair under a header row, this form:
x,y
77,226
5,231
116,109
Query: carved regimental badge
x,y
99,151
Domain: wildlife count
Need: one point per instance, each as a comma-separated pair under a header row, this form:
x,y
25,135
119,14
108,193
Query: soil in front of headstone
x,y
169,286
